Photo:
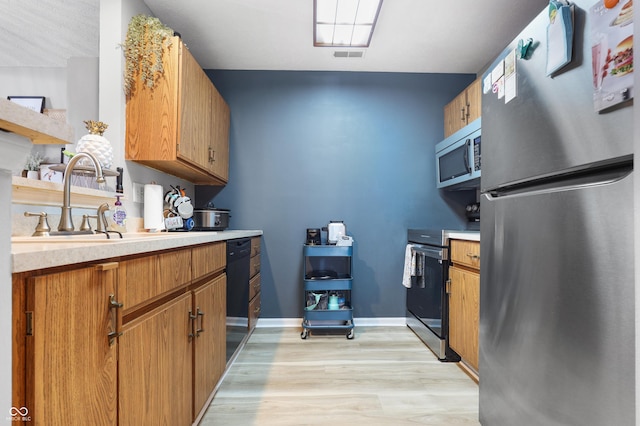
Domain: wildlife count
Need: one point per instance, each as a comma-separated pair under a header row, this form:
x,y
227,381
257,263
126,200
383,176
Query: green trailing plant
x,y
33,161
146,37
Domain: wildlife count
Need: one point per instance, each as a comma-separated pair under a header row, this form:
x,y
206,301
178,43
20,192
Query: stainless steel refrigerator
x,y
557,279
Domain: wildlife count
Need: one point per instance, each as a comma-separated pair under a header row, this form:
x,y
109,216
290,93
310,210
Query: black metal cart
x,y
327,289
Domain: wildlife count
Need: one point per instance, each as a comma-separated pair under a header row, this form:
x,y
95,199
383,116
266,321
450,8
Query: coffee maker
x,y
313,237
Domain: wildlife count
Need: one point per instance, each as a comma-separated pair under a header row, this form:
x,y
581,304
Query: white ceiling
x,y
45,33
441,36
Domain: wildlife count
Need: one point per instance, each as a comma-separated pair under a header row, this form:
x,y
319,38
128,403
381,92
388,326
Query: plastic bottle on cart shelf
x,y
333,302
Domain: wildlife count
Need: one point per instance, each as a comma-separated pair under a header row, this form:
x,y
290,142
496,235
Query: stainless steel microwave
x,y
458,158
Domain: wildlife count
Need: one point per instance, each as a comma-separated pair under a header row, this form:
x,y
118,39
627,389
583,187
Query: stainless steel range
x,y
427,301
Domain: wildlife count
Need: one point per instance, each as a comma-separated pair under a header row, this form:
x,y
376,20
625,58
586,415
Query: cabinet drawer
x,y
254,265
255,246
466,253
144,279
254,286
254,311
207,259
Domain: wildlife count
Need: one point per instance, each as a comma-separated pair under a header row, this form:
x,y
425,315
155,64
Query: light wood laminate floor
x,y
384,376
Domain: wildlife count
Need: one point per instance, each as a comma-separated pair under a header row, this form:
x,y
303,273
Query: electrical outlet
x,y
138,192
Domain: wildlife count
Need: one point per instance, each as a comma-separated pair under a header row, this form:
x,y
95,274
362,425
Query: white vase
x,y
33,174
97,145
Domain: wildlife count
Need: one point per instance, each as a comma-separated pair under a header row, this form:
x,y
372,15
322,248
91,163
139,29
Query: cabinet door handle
x,y
212,155
114,305
462,114
199,314
113,335
474,256
192,319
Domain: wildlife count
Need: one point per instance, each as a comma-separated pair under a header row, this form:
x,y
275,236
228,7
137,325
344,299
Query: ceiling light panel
x,y
346,11
326,11
324,33
367,12
361,34
342,35
345,23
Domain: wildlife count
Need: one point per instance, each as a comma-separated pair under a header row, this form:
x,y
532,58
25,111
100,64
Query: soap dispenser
x,y
119,216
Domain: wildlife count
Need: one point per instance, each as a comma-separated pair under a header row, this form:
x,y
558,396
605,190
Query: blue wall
x,y
310,147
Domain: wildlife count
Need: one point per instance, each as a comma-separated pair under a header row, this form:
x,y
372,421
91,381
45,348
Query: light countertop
x,y
41,254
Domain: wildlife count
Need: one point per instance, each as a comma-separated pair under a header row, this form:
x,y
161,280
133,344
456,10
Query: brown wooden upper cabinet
x,y
463,109
181,126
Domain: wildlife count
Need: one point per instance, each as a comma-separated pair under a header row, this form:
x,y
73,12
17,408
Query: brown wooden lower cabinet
x,y
464,314
70,365
155,367
209,305
463,288
82,356
255,303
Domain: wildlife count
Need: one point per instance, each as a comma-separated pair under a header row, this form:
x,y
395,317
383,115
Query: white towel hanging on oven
x,y
409,265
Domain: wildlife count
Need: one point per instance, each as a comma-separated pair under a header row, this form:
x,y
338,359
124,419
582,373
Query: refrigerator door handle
x,y
566,181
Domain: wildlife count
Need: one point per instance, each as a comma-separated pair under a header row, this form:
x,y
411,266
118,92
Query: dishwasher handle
x,y
238,249
238,254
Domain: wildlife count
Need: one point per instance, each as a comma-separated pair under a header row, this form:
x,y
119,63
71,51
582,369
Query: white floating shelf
x,y
42,193
41,129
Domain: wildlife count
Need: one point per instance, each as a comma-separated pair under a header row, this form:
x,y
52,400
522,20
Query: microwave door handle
x,y
466,155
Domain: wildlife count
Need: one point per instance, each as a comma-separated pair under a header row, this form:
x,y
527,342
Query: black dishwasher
x,y
238,257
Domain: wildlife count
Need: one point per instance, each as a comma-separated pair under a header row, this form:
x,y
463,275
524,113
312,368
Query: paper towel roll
x,y
153,206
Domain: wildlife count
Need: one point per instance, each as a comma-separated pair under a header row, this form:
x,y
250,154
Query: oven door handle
x,y
429,252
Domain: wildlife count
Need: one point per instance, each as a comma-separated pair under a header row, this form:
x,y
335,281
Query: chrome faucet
x,y
103,225
66,223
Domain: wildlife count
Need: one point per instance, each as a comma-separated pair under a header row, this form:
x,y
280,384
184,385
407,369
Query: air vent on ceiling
x,y
349,54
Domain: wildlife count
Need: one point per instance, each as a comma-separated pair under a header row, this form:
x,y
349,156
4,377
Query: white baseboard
x,y
362,322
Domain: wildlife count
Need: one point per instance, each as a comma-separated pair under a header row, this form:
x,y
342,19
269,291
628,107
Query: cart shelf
x,y
327,282
329,315
327,250
329,285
